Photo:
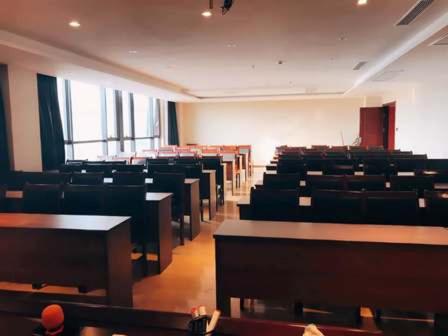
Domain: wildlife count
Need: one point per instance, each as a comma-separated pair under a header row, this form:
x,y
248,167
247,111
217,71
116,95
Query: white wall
x,y
23,117
267,124
422,118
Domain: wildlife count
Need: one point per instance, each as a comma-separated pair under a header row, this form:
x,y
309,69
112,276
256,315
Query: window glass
x,y
111,114
128,146
141,115
141,144
86,112
88,151
126,114
155,122
112,147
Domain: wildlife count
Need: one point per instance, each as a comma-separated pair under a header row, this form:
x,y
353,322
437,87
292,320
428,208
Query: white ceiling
x,y
181,52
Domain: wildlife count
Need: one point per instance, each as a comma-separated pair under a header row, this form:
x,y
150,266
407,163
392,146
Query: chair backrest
x,y
409,183
88,178
291,167
83,199
367,182
127,178
134,168
129,201
436,211
191,171
46,178
2,198
161,168
314,164
339,169
336,206
42,198
276,205
328,182
105,169
408,164
392,207
173,183
378,166
281,181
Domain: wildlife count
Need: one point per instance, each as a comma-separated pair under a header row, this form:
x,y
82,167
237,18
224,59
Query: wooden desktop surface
x,y
386,267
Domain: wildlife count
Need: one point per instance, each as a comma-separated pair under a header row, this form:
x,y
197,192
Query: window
x,y
104,121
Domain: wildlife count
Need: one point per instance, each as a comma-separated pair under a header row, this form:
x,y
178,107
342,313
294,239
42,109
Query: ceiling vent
x,y
414,12
443,41
359,65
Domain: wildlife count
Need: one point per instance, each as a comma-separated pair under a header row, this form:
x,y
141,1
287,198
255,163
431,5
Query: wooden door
x,y
391,125
371,126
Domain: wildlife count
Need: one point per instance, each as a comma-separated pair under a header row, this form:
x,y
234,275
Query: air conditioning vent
x,y
443,41
414,12
359,65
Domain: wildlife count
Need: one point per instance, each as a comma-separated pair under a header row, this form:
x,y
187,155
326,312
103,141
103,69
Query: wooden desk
x,y
102,320
380,266
231,173
89,251
159,222
208,190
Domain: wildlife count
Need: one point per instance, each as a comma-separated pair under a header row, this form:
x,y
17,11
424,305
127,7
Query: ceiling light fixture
x,y
362,2
74,24
208,12
133,51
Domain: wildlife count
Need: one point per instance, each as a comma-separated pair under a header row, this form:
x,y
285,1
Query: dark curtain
x,y
173,132
4,153
51,131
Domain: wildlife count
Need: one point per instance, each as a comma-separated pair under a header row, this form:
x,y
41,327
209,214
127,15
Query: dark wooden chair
x,y
314,164
367,182
291,167
42,198
274,205
336,206
173,183
392,207
163,168
83,199
88,178
436,211
126,200
46,178
327,182
377,166
410,183
105,169
215,163
129,178
408,164
134,168
281,181
339,169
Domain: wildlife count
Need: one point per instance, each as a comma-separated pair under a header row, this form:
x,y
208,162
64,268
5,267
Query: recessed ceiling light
x,y
362,2
133,51
231,45
74,24
207,13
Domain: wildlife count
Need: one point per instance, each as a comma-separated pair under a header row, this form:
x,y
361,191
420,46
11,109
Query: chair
x,y
275,205
162,168
42,198
410,183
337,169
2,198
291,167
134,168
377,166
328,182
368,182
128,178
436,211
88,178
314,164
392,207
105,169
46,178
129,201
408,164
83,199
281,181
336,206
173,183
215,163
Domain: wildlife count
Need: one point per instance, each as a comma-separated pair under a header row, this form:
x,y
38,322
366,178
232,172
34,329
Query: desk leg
x,y
195,210
222,300
440,324
119,266
165,234
212,204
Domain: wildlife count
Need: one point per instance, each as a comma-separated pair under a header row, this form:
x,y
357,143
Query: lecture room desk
x,y
74,251
377,266
208,189
159,215
17,318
